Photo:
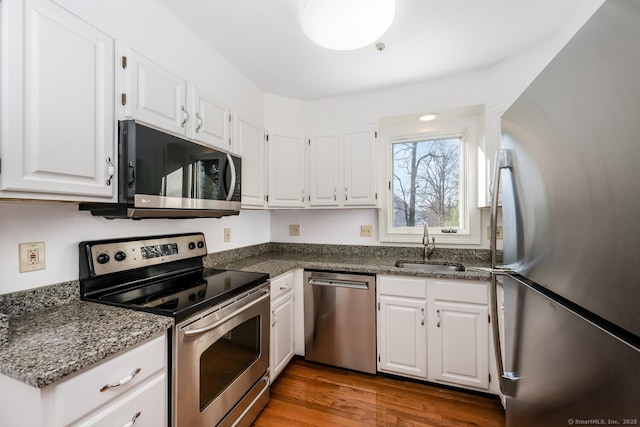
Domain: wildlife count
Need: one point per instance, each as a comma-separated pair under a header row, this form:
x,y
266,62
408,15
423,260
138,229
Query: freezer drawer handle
x,y
339,283
509,383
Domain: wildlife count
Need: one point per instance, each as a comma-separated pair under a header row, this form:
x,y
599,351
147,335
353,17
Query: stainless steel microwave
x,y
165,176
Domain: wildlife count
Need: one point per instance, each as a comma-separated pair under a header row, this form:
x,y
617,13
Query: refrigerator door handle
x,y
506,380
504,160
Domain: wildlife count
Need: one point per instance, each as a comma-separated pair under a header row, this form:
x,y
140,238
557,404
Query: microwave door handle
x,y
231,188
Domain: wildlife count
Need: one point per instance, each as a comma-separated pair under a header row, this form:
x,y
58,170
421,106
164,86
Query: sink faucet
x,y
429,248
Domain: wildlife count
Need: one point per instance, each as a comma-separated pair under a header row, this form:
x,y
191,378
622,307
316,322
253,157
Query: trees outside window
x,y
427,182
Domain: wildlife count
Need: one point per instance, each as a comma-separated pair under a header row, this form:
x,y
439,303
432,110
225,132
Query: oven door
x,y
220,356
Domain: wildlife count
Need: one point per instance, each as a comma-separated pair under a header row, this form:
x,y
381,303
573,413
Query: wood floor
x,y
307,394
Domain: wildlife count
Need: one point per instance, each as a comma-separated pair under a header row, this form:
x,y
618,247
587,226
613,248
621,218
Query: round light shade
x,y
346,24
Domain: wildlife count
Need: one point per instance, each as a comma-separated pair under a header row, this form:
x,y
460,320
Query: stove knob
x,y
200,244
102,258
120,256
192,245
192,297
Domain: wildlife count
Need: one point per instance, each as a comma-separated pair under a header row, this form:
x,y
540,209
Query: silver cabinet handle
x,y
335,193
185,115
110,171
302,196
284,287
275,318
422,311
438,317
133,419
122,381
346,193
199,119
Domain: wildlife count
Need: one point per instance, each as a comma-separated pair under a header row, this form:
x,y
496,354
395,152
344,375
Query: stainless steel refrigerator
x,y
569,174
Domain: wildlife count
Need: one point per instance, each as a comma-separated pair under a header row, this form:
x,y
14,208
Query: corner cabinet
x,y
57,106
285,156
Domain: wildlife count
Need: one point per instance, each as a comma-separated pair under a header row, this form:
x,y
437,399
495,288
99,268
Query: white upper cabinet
x,y
57,105
211,121
154,95
285,153
251,142
324,169
360,187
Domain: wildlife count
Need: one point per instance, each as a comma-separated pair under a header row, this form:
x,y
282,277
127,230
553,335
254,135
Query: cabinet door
x,y
360,188
281,334
251,143
286,170
402,341
57,108
461,344
211,121
154,95
324,170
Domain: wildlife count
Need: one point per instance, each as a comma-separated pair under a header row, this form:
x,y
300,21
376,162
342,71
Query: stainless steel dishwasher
x,y
340,319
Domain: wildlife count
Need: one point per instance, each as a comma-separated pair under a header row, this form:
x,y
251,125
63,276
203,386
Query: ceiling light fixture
x,y
427,117
346,24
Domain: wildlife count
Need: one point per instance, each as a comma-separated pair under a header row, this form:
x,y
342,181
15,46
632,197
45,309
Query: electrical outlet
x,y
31,256
227,235
366,231
294,229
498,233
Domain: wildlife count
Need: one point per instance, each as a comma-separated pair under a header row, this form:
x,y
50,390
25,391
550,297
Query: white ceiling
x,y
428,39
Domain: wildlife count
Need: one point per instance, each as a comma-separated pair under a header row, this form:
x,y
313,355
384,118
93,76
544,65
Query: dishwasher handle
x,y
339,283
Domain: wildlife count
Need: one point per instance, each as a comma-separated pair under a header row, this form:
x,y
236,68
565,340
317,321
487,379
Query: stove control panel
x,y
113,256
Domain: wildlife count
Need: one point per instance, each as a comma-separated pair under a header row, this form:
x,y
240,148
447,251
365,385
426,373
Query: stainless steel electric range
x,y
219,352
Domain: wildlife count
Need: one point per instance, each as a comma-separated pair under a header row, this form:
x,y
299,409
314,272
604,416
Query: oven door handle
x,y
214,325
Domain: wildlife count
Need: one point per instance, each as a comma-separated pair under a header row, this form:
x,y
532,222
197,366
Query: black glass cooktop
x,y
182,295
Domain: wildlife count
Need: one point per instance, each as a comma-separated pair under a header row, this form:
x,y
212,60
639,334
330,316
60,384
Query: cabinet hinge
x,y
376,196
378,306
489,377
309,197
266,197
124,99
309,141
376,134
266,137
378,358
0,165
229,118
124,62
389,185
489,316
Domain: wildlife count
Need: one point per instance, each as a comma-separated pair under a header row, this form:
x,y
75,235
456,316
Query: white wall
x,y
61,226
325,226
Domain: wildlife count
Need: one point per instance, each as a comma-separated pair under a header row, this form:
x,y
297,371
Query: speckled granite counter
x,y
46,345
277,262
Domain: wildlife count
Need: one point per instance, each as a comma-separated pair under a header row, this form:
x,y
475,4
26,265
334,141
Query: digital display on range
x,y
156,251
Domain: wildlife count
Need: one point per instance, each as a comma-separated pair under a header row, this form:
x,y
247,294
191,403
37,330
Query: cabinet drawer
x,y
473,292
147,404
81,394
414,287
282,284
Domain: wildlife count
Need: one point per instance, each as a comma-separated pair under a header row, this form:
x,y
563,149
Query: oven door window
x,y
227,358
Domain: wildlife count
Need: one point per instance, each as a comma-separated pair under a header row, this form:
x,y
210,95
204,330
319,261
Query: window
x,y
431,177
427,184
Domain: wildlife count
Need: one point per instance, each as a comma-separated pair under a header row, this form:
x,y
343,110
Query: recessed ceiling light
x,y
346,24
427,117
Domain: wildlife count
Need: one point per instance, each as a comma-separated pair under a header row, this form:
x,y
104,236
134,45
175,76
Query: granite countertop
x,y
277,262
45,346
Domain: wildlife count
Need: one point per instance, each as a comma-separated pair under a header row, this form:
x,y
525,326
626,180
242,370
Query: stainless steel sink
x,y
430,265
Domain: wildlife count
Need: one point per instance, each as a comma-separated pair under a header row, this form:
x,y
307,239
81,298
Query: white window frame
x,y
469,234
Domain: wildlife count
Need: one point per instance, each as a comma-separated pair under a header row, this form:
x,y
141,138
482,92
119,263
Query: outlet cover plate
x,y
366,231
32,256
294,229
227,235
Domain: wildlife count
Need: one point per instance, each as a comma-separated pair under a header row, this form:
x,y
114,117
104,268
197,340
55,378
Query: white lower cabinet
x,y
128,389
402,330
434,329
282,315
